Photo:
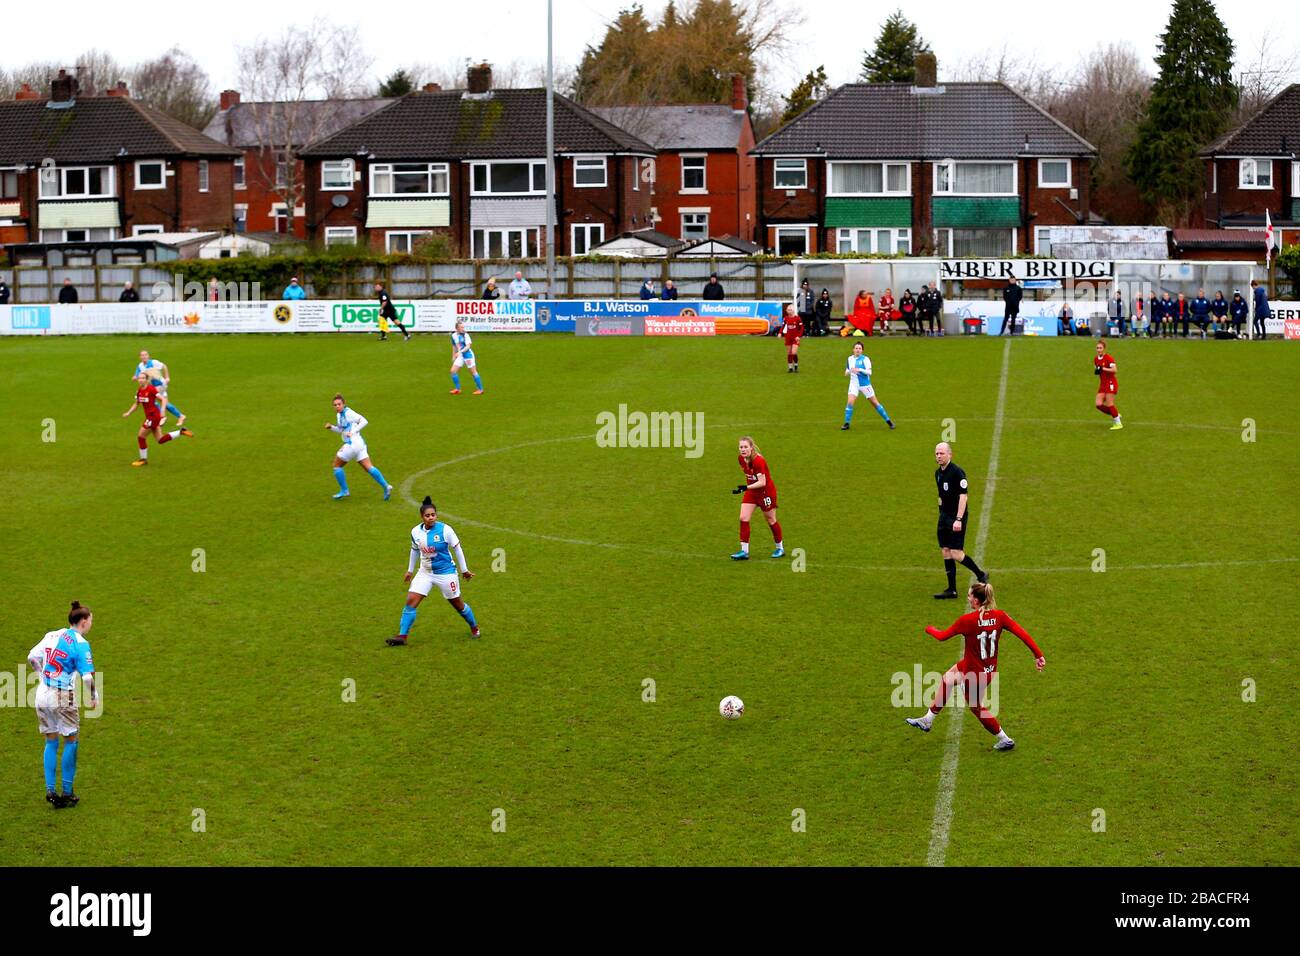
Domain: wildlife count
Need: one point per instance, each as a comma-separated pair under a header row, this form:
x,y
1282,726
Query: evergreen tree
x,y
399,84
894,56
1191,102
810,89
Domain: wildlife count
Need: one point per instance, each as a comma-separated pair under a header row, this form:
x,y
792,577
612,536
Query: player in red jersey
x,y
146,398
792,330
1104,366
978,667
760,492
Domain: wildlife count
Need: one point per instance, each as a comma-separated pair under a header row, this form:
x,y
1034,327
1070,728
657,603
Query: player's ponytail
x,y
983,593
752,444
426,504
78,613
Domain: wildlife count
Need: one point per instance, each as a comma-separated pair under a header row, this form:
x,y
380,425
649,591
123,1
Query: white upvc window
x,y
869,179
587,171
150,174
954,178
146,230
1043,240
1054,174
790,240
336,174
282,160
1214,176
76,182
241,181
341,236
584,236
404,241
1295,179
241,217
886,241
203,175
409,179
523,177
694,178
986,243
695,224
789,174
1254,173
510,242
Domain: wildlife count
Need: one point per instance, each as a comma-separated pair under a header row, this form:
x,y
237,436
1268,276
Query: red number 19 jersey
x,y
764,497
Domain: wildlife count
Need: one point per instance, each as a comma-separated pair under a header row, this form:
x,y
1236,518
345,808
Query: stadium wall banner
x,y
1285,320
1030,269
685,317
1038,318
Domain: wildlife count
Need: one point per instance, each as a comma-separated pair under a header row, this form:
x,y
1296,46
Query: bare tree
x,y
1265,74
175,84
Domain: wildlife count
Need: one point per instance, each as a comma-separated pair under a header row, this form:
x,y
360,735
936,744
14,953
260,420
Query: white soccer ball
x,y
731,707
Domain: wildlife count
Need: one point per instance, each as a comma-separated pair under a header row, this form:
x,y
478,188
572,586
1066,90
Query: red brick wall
x,y
1043,210
259,191
731,181
322,212
776,208
616,204
1231,199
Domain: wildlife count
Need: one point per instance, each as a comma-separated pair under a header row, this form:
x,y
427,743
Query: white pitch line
x,y
942,823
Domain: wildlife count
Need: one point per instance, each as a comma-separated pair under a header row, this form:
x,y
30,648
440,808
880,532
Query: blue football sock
x,y
69,764
342,479
51,761
478,382
455,380
468,614
174,411
880,410
848,413
408,618
378,475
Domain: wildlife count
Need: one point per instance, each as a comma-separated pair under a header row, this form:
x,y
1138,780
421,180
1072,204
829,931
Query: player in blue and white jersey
x,y
858,369
432,546
462,353
349,423
160,377
58,658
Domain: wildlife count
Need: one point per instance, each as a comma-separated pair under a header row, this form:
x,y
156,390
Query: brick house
x,y
82,169
470,165
704,176
1253,169
268,177
955,169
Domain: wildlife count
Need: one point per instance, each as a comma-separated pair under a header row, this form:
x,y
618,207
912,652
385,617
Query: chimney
x,y
479,79
433,87
229,98
927,71
120,90
63,88
26,92
739,99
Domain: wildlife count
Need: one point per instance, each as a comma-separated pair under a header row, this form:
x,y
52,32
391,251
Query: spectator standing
x,y
1262,310
822,312
713,291
1239,309
128,293
648,290
68,294
293,291
1011,296
4,293
1117,311
214,290
805,303
907,306
934,309
1219,308
886,312
519,287
1200,309
490,291
669,291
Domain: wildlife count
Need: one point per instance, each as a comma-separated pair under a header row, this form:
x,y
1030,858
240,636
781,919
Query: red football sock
x,y
142,443
986,718
165,438
1114,411
776,532
744,532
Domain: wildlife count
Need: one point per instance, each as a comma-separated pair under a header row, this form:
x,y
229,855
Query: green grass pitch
x,y
225,688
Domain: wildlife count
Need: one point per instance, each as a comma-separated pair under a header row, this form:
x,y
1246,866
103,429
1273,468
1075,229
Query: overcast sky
x,y
835,32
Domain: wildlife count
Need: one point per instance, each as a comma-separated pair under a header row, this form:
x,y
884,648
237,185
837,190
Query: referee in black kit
x,y
954,491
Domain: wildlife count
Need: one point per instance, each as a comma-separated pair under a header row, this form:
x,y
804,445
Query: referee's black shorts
x,y
952,540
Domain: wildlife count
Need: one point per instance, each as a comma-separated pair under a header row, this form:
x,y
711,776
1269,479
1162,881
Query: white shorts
x,y
424,582
355,451
56,711
465,360
866,391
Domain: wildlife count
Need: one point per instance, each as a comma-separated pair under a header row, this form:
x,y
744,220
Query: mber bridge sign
x,y
957,269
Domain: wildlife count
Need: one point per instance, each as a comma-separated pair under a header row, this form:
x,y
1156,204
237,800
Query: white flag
x,y
1268,237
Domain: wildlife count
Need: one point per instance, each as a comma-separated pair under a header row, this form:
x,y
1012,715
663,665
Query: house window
x,y
341,236
974,179
241,217
695,225
203,175
585,236
281,168
8,184
1214,176
404,241
76,235
150,174
240,181
791,240
280,216
693,180
1054,173
790,174
883,241
870,179
588,171
511,243
1256,174
336,174
409,179
987,243
79,182
146,230
522,178
1043,240
1295,180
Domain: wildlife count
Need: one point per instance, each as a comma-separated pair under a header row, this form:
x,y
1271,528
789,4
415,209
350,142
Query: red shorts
x,y
791,339
765,499
1108,388
153,422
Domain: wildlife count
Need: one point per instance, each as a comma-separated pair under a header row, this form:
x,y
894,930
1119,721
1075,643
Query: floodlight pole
x,y
550,156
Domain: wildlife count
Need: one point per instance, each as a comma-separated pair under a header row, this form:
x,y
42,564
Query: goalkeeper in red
x,y
982,629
